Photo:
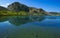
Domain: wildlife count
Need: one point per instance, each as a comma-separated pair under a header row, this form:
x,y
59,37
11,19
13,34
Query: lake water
x,y
29,27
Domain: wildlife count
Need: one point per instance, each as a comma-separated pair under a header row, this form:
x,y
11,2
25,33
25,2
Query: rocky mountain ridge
x,y
17,7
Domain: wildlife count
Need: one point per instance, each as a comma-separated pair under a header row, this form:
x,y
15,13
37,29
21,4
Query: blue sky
x,y
48,5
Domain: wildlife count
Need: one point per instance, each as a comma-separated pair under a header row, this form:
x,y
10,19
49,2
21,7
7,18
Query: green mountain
x,y
18,7
3,8
55,13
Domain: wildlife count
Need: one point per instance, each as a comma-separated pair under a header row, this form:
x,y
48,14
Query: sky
x,y
47,5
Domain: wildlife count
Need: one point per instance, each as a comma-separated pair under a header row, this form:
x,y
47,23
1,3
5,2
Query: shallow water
x,y
29,27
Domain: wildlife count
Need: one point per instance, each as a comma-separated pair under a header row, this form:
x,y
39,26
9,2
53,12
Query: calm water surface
x,y
29,27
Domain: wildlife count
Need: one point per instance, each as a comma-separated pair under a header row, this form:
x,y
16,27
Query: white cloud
x,y
4,5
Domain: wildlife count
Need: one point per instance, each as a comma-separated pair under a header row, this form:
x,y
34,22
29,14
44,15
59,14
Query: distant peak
x,y
16,2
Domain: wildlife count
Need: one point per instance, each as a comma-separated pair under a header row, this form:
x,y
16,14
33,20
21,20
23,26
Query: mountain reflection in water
x,y
18,20
29,27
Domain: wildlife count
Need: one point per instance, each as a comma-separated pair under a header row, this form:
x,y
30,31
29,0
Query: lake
x,y
29,27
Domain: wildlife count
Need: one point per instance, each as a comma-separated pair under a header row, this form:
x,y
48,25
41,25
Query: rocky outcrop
x,y
35,10
32,9
16,6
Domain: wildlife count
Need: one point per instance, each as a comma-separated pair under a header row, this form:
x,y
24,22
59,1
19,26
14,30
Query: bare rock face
x,y
35,10
32,9
16,6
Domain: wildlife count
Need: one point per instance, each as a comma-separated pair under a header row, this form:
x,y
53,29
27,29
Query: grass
x,y
21,13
